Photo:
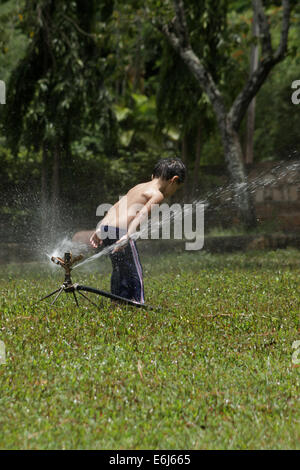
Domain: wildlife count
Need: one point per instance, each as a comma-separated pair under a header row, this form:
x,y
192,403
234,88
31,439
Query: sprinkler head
x,y
68,260
67,264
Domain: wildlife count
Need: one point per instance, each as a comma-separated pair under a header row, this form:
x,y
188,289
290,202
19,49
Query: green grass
x,y
211,370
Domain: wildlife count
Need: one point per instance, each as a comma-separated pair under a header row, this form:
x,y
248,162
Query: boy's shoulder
x,y
154,195
148,190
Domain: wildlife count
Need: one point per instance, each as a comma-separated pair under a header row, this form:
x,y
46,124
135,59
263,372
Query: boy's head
x,y
172,170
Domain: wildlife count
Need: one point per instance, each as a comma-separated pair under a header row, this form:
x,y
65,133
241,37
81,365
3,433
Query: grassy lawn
x,y
211,370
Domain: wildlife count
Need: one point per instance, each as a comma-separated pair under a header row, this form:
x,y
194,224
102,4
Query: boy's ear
x,y
175,179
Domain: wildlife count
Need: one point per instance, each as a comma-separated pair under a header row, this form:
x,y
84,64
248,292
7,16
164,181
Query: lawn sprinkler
x,y
69,288
67,264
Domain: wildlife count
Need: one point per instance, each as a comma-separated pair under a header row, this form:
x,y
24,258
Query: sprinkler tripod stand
x,y
68,286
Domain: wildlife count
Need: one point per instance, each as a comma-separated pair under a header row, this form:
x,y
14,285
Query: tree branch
x,y
242,101
285,26
180,23
91,35
179,40
264,29
172,38
257,78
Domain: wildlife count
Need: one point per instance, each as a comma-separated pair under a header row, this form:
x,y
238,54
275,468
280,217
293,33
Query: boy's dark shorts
x,y
127,275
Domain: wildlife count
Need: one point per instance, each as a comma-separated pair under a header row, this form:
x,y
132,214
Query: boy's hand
x,y
95,240
120,244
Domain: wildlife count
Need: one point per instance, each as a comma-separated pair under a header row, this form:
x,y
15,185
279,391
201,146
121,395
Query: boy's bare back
x,y
131,210
139,199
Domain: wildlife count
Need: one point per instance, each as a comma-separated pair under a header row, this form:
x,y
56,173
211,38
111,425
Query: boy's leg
x,y
119,283
127,275
138,287
109,236
131,273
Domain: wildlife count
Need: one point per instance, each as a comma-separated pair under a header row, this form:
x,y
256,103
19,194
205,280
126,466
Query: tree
x,y
181,108
56,91
251,110
229,120
181,102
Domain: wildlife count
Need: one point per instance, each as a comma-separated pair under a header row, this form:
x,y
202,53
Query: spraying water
x,y
224,195
66,245
150,225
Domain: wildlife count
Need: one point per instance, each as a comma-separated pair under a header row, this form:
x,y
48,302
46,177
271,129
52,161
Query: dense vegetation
x,y
96,94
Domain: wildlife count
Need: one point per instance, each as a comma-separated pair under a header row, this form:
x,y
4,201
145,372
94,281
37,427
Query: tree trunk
x,y
230,139
138,65
251,110
198,157
184,149
184,158
234,160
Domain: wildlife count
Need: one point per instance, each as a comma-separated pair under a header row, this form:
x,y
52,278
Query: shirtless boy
x,y
124,219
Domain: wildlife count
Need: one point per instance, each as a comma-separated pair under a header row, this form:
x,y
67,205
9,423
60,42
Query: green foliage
x,y
58,86
100,83
211,370
181,102
277,129
13,41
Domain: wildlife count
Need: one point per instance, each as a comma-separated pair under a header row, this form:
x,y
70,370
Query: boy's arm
x,y
143,213
140,216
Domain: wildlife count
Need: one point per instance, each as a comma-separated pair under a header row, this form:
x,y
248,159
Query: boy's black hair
x,y
166,168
